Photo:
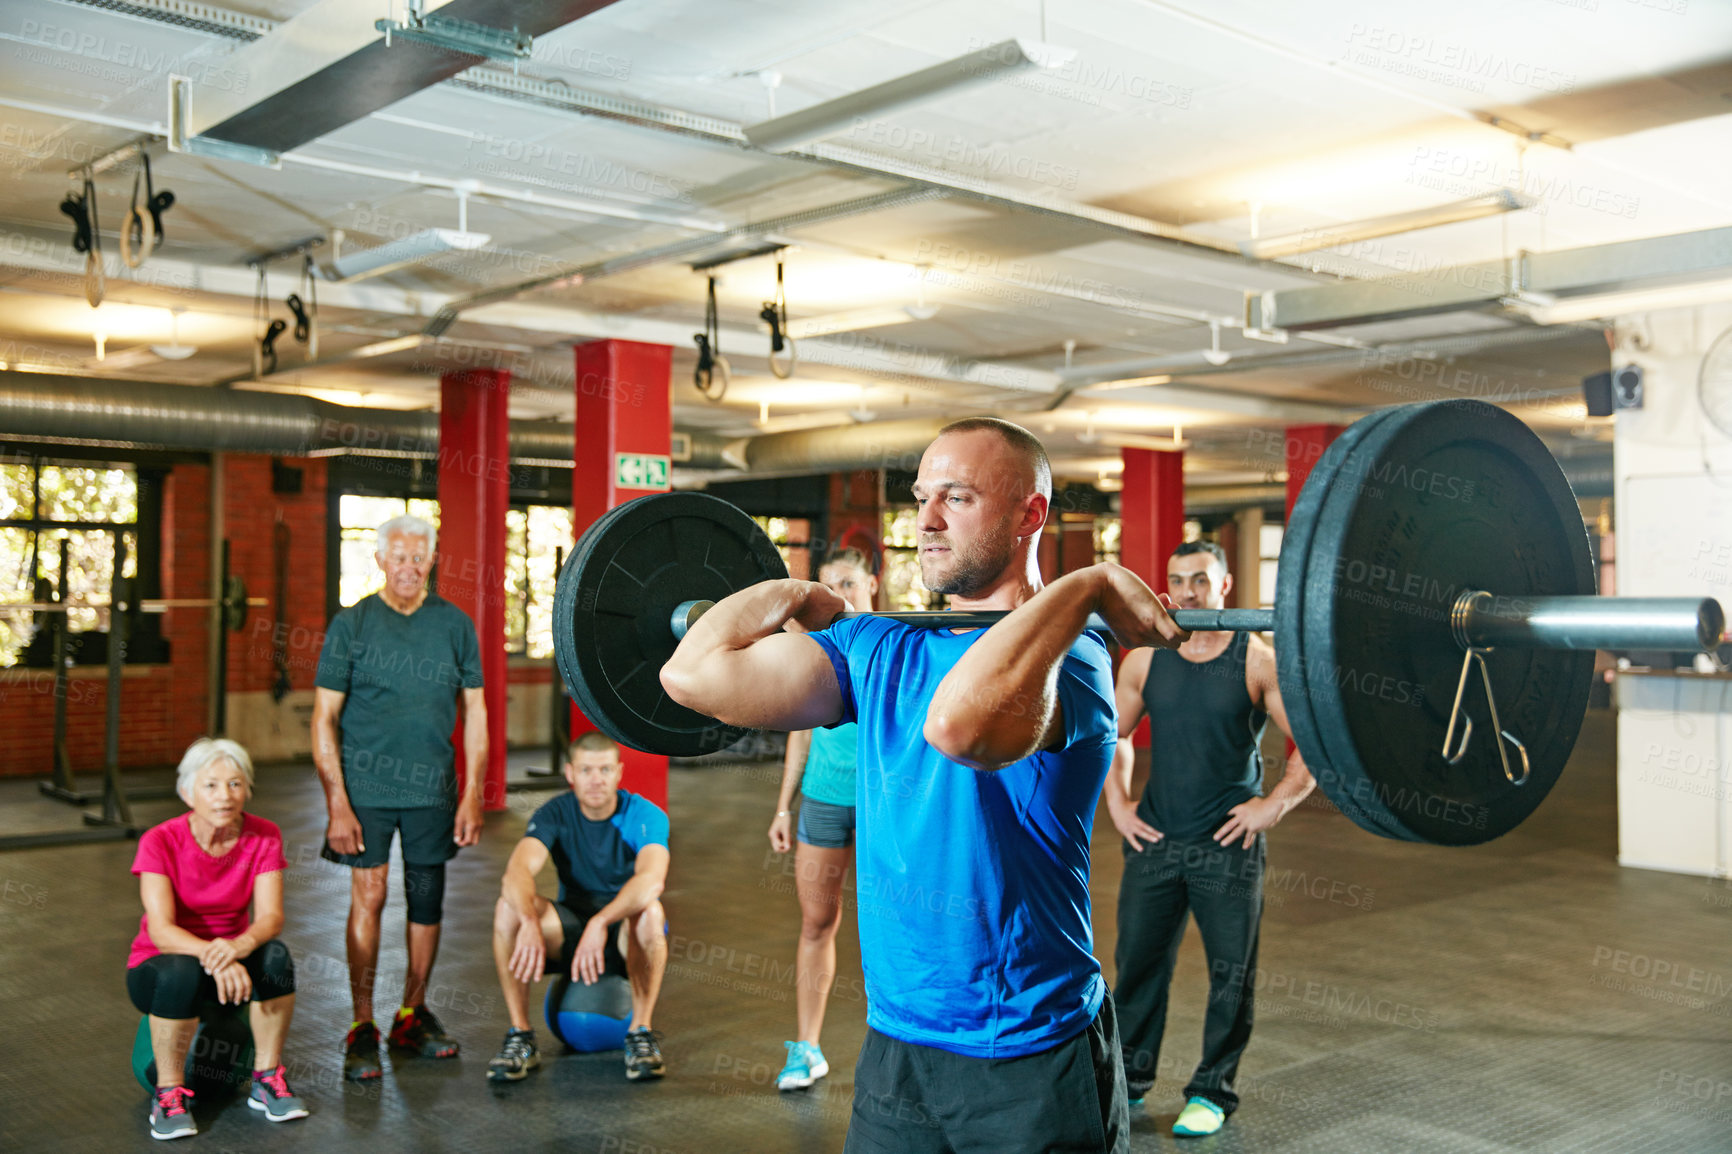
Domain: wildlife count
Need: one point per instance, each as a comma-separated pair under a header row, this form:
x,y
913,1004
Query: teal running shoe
x,y
806,1065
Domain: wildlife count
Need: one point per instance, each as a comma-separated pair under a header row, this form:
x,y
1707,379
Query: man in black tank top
x,y
1194,842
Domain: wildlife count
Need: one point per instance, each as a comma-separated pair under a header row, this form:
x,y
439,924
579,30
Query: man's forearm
x,y
518,890
328,762
1118,784
993,707
474,756
633,898
1296,782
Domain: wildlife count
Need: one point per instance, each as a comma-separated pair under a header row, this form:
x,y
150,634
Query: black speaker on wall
x,y
1606,393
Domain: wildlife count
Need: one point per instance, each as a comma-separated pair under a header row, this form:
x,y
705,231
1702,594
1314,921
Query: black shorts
x,y
429,836
825,825
572,921
911,1099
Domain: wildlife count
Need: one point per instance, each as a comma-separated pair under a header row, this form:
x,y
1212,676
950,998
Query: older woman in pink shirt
x,y
212,884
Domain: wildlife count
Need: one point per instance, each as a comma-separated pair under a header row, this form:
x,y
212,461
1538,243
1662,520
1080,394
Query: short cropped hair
x,y
1192,547
410,526
1024,443
204,753
594,741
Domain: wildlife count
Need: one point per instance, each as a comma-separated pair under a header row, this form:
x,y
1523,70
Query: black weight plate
x,y
1290,664
1434,500
614,600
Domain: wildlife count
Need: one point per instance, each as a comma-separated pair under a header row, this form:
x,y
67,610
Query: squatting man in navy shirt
x,y
981,756
610,849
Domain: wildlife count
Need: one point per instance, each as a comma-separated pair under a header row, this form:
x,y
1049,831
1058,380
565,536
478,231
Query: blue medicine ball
x,y
589,1018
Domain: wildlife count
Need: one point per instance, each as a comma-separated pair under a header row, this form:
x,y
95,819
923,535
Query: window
x,y
792,537
534,535
903,588
41,504
359,519
1107,529
1269,563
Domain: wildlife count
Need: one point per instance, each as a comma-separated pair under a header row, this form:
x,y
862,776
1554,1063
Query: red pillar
x,y
474,494
1151,520
1151,512
623,407
1305,447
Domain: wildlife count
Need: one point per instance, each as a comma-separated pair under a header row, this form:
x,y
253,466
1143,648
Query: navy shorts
x,y
573,920
429,836
824,825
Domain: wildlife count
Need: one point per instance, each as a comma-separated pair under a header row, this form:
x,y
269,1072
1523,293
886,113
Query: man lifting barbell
x,y
982,755
1395,592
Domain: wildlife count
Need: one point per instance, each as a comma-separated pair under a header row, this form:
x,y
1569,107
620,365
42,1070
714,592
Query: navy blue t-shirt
x,y
973,887
596,858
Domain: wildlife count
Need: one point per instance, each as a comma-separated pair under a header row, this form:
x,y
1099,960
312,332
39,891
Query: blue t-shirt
x,y
829,775
596,858
973,887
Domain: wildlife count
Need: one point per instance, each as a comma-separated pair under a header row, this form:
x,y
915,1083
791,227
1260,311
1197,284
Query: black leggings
x,y
175,985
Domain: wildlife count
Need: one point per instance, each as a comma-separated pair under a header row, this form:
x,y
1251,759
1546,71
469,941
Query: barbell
x,y
234,604
1429,543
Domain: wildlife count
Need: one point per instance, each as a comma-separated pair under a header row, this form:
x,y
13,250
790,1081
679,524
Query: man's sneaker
x,y
271,1094
515,1059
1199,1117
643,1058
171,1113
361,1054
1135,1092
420,1031
806,1065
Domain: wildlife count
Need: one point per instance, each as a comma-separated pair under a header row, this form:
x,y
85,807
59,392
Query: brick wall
x,y
164,707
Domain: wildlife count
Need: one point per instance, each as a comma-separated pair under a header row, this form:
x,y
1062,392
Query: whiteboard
x,y
1675,537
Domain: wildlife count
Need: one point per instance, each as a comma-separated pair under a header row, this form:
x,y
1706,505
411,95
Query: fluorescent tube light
x,y
1328,236
854,319
390,257
784,133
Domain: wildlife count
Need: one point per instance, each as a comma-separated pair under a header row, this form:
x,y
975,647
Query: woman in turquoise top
x,y
820,764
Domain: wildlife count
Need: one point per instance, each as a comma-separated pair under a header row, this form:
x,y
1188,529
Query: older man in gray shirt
x,y
385,706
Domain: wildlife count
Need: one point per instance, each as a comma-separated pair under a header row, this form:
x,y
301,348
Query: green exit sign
x,y
640,471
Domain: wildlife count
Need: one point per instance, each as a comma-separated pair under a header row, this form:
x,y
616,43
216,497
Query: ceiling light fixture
x,y
1130,383
423,246
853,319
174,350
785,133
1329,236
1215,354
1546,309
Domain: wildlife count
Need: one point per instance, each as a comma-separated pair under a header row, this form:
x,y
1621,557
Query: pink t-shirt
x,y
212,895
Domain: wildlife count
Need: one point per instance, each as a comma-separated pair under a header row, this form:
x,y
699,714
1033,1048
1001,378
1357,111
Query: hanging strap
x,y
711,374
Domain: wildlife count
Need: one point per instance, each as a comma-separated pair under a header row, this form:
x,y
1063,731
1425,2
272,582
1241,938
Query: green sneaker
x,y
1199,1118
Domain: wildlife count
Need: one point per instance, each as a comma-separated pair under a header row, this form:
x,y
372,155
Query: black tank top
x,y
1204,734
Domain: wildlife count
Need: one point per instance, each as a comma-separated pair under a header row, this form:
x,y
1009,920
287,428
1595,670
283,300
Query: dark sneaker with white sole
x,y
421,1032
515,1059
361,1054
271,1094
171,1113
643,1058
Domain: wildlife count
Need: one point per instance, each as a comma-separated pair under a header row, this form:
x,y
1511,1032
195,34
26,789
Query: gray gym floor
x,y
1416,999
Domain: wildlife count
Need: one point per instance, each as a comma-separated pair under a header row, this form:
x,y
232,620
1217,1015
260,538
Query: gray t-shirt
x,y
402,675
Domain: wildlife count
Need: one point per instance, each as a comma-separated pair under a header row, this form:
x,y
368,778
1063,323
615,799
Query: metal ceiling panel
x,y
329,67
